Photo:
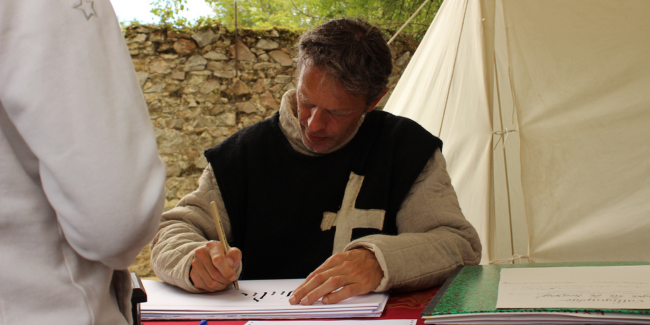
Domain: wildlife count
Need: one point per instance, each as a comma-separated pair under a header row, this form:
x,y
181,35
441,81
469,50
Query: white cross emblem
x,y
87,7
349,217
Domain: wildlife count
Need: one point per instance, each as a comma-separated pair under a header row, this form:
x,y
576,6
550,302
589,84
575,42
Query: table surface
x,y
399,306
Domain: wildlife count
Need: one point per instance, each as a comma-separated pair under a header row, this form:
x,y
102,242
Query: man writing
x,y
327,189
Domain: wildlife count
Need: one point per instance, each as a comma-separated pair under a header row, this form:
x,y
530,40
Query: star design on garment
x,y
349,217
87,7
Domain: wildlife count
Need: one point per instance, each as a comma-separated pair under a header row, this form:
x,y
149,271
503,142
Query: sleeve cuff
x,y
384,283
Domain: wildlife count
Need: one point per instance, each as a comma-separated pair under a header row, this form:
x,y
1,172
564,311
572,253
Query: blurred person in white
x,y
81,182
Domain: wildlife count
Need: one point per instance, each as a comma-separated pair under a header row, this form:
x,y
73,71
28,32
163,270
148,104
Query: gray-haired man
x,y
328,189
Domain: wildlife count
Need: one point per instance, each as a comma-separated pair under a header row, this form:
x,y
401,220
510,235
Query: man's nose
x,y
316,121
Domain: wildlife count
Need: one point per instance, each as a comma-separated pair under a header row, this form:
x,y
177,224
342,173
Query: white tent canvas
x,y
544,110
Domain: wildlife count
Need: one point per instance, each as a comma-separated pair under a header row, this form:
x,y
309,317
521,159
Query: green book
x,y
473,290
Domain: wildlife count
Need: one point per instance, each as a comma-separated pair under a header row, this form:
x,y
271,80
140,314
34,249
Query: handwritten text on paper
x,y
602,287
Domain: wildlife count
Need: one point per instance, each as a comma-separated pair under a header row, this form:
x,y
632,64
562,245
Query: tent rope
x,y
503,134
515,257
407,22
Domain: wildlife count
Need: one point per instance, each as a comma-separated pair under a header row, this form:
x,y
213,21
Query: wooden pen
x,y
221,232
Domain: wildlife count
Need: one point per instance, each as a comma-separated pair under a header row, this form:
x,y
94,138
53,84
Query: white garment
x,y
81,183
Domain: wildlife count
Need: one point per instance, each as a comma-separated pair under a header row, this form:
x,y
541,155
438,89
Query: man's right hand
x,y
212,268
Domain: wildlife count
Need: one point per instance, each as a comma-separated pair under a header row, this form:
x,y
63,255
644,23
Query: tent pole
x,y
407,22
505,161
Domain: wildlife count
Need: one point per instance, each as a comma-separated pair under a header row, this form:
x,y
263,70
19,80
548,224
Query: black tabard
x,y
276,197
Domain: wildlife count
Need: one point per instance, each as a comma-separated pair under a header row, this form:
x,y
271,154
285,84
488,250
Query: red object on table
x,y
399,306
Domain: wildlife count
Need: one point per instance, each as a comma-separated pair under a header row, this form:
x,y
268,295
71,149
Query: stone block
x,y
178,75
142,77
243,52
265,44
155,89
281,57
200,162
172,87
204,73
209,86
157,37
216,56
227,74
175,34
142,29
248,76
190,89
173,170
184,46
139,38
239,88
204,37
403,60
195,63
268,101
171,142
263,57
175,123
289,86
283,79
261,85
226,119
246,107
214,66
196,80
263,65
276,88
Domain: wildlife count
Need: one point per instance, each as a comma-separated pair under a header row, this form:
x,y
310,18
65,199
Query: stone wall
x,y
198,95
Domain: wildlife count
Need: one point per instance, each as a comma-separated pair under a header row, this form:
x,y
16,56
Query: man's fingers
x,y
313,289
224,263
206,263
308,285
346,292
329,285
211,270
343,275
205,279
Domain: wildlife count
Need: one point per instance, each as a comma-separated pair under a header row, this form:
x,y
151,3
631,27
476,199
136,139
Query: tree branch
x,y
300,11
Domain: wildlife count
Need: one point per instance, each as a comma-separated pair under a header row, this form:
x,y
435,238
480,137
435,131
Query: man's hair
x,y
352,51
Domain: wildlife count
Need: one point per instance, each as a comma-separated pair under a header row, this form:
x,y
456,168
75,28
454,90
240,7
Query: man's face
x,y
328,114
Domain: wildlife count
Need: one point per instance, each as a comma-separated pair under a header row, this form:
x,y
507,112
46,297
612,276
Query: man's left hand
x,y
355,272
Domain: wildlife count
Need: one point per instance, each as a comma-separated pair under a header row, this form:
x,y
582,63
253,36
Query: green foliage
x,y
295,14
168,11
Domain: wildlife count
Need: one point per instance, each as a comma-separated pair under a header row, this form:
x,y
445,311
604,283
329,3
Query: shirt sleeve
x,y
186,228
434,237
68,86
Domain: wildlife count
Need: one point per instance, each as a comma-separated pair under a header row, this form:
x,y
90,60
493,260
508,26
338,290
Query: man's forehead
x,y
319,81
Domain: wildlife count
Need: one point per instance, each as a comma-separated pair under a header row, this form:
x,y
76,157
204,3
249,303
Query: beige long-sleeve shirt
x,y
433,236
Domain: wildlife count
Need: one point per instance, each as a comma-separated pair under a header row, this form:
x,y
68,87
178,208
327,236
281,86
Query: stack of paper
x,y
566,293
256,299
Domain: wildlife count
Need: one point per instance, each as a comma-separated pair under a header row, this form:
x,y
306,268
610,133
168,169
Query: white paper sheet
x,y
601,287
256,299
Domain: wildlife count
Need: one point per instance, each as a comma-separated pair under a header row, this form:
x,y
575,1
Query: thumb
x,y
234,257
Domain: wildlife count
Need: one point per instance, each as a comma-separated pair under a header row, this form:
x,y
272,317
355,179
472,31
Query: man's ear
x,y
374,102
